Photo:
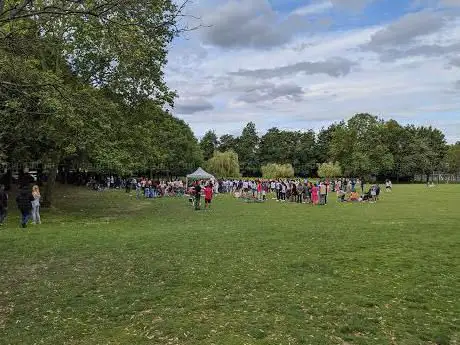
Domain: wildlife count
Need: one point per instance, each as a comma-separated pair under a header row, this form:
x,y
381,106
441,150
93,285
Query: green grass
x,y
105,268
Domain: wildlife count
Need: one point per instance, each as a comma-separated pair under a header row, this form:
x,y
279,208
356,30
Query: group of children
x,y
28,203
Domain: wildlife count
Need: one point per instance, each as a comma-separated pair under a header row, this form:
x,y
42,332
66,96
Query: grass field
x,y
105,268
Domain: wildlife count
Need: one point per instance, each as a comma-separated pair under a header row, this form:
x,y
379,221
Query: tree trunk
x,y
51,182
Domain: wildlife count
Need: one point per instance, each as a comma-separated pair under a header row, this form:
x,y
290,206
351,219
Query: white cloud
x,y
450,3
334,67
355,5
414,80
254,24
314,8
272,92
192,105
407,28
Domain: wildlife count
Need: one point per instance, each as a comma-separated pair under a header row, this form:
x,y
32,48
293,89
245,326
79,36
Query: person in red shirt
x,y
259,190
208,196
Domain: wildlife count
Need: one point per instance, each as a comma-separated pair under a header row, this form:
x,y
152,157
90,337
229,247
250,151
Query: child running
x,y
208,195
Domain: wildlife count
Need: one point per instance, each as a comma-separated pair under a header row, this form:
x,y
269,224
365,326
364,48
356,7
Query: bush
x,y
274,170
330,170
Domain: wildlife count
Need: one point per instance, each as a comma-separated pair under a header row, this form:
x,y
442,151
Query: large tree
x,y
398,141
304,153
110,43
323,142
360,148
293,147
425,151
146,138
453,158
54,54
227,142
209,144
224,164
247,148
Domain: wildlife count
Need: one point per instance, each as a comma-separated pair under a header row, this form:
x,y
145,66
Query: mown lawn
x,y
105,268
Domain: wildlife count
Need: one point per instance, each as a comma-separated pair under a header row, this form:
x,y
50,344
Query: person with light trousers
x,y
36,205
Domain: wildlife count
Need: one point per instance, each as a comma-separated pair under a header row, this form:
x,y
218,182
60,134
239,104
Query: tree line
x,y
82,81
363,146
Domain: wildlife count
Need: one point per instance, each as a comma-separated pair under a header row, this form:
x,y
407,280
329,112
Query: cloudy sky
x,y
302,64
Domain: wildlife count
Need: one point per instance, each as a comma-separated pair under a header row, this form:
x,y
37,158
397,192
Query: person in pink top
x,y
314,194
208,195
259,190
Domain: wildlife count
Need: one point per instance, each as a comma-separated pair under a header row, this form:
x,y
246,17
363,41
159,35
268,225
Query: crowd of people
x,y
303,191
28,203
298,191
282,190
143,186
153,189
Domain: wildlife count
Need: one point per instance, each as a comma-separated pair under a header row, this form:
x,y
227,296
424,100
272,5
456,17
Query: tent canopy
x,y
199,174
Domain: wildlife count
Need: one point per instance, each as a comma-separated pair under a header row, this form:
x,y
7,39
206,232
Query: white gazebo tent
x,y
199,174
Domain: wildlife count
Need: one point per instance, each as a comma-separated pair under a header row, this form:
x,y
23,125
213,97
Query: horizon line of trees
x,y
83,81
363,146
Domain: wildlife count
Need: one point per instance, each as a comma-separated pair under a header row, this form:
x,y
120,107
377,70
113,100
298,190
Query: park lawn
x,y
105,268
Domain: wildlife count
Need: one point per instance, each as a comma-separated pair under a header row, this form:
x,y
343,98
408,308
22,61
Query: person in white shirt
x,y
388,186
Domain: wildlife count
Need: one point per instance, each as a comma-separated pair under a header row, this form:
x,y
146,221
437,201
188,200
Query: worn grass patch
x,y
105,268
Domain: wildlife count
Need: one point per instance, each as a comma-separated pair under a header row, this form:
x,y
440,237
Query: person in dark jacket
x,y
3,204
24,202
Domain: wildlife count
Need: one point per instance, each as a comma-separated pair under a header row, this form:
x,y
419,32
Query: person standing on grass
x,y
374,193
3,204
349,187
259,190
24,202
314,194
254,189
293,192
327,184
197,192
208,193
388,186
322,193
36,205
283,190
300,192
138,189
